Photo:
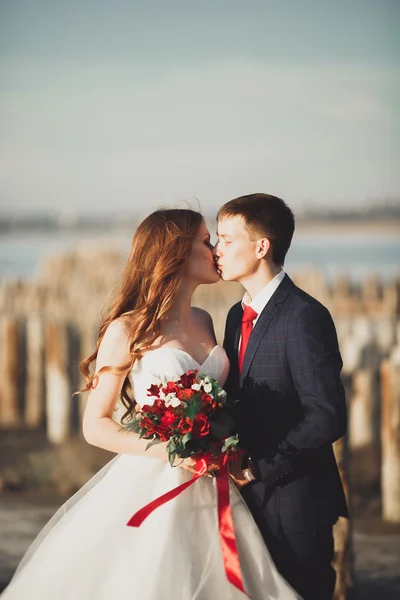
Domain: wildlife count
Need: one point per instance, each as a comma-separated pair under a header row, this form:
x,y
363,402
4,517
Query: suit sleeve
x,y
315,363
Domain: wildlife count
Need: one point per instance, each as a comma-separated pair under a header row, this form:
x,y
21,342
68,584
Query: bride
x,y
151,332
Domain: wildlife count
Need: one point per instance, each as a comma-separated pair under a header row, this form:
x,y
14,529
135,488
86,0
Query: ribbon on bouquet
x,y
225,521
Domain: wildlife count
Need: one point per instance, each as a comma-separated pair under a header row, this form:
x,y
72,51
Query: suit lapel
x,y
234,370
237,335
270,311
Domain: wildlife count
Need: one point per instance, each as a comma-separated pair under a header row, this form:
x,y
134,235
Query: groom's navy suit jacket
x,y
291,409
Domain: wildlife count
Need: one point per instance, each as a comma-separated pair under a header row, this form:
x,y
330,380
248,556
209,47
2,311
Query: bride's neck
x,y
181,311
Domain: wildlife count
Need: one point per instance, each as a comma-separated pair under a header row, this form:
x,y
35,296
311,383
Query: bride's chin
x,y
214,278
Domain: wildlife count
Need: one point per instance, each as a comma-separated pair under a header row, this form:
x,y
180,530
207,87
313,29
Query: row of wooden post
x,y
36,367
37,357
390,437
74,284
38,361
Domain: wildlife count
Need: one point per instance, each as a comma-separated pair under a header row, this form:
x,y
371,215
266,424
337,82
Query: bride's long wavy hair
x,y
149,288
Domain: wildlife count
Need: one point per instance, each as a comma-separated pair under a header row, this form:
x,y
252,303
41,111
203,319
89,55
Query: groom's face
x,y
235,252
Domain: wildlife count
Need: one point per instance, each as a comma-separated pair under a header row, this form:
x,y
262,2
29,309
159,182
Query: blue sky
x,y
126,106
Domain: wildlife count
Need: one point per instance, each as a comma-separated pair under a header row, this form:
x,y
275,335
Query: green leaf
x,y
153,442
179,447
171,445
193,407
230,443
186,438
132,425
185,453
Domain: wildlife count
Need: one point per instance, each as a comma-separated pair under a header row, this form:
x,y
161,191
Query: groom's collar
x,y
261,299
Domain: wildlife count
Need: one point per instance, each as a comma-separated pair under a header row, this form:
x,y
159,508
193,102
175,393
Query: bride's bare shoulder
x,y
115,342
118,329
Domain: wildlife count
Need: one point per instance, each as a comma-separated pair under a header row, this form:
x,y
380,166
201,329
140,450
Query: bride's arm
x,y
99,429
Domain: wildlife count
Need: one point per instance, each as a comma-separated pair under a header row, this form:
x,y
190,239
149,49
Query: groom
x,y
285,368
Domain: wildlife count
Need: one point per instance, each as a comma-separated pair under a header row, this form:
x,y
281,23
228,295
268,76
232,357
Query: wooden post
x,y
351,354
370,293
87,347
58,397
4,286
385,333
10,367
343,561
343,328
364,410
357,347
341,293
390,439
35,391
313,281
391,297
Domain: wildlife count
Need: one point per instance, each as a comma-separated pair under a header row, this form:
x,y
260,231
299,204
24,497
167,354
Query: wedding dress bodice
x,y
169,364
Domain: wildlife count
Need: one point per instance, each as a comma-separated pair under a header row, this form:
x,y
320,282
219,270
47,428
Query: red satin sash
x,y
225,521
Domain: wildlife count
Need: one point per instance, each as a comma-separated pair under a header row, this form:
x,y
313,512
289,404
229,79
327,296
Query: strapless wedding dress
x,y
87,552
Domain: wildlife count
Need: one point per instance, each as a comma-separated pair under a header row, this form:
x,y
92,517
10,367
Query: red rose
x,y
172,388
162,431
188,379
208,401
201,426
185,425
168,418
148,425
153,390
187,394
158,407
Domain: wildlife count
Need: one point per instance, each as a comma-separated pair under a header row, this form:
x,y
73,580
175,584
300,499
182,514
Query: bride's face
x,y
200,265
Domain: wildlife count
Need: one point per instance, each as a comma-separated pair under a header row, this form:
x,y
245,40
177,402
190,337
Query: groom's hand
x,y
236,474
236,471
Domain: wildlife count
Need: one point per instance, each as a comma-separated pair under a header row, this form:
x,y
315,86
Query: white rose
x,y
175,402
196,387
208,388
172,400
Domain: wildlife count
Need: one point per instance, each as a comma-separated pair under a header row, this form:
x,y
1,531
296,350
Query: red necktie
x,y
247,326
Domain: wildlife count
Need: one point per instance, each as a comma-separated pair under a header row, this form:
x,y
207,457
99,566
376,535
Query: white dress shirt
x,y
260,301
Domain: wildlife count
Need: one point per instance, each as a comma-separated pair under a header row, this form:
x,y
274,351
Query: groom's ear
x,y
263,247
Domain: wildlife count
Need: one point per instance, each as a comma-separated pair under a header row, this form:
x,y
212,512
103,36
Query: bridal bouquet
x,y
192,414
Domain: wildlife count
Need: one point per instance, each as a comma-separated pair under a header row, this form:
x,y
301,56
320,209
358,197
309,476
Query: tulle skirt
x,y
87,552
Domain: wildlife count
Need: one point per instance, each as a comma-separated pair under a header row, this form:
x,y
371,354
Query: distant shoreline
x,y
378,226
385,226
303,226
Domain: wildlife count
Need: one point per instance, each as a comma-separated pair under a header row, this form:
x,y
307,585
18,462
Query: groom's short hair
x,y
265,216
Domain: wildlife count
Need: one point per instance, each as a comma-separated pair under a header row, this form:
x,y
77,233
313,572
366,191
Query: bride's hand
x,y
190,465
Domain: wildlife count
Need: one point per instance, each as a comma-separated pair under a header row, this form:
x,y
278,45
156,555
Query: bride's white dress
x,y
87,552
